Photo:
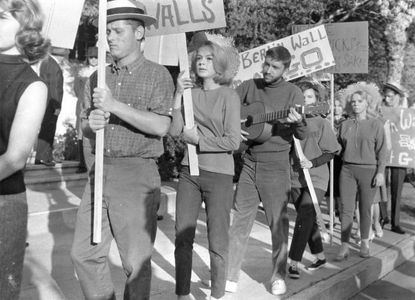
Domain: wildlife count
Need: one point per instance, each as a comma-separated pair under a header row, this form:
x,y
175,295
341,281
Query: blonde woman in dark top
x,y
216,135
364,154
22,105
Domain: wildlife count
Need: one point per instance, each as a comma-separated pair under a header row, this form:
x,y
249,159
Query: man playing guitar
x,y
265,173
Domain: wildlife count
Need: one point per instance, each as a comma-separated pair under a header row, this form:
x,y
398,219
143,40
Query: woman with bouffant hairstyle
x,y
221,62
22,105
364,158
29,40
216,135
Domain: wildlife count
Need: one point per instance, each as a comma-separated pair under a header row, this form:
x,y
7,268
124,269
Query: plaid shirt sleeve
x,y
162,97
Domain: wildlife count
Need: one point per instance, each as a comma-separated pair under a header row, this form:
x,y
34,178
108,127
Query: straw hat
x,y
394,87
127,10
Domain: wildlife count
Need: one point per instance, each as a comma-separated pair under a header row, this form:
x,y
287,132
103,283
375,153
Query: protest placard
x,y
61,21
310,52
402,122
177,16
349,43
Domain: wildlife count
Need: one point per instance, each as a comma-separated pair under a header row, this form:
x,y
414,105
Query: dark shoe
x,y
383,222
82,170
316,265
293,272
398,229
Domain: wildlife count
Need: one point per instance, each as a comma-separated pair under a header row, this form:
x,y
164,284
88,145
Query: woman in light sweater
x,y
216,135
364,157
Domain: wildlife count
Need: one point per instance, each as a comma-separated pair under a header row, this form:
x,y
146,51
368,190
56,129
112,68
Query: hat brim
x,y
147,20
393,88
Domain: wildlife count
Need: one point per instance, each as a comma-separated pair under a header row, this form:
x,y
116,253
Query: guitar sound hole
x,y
248,121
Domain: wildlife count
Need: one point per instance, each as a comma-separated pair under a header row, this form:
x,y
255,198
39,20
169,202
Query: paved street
x,y
48,272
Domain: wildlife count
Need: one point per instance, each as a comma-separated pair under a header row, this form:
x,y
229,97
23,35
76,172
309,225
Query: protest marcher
x,y
265,174
319,148
51,73
394,98
85,145
364,157
23,98
134,110
216,135
338,117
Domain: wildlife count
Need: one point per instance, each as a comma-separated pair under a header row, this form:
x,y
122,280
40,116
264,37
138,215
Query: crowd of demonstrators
x,y
137,108
85,145
134,110
364,155
265,174
319,148
23,98
216,135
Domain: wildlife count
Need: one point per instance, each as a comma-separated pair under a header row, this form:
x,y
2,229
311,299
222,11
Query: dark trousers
x,y
356,179
306,228
131,195
13,228
270,183
44,149
396,185
216,190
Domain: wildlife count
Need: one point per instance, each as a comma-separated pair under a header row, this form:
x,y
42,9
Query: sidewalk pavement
x,y
49,275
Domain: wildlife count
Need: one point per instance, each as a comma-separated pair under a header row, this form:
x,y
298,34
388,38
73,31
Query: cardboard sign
x,y
402,136
162,49
178,16
349,43
61,21
310,52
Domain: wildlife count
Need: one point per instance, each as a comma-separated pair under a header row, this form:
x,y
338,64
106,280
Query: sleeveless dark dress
x,y
15,77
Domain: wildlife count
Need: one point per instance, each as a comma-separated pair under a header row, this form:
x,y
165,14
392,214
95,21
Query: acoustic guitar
x,y
259,116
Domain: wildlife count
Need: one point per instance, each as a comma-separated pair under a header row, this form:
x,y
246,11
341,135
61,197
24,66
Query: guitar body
x,y
259,132
259,115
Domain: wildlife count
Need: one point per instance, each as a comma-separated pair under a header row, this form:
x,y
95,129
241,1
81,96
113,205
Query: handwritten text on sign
x,y
349,42
178,16
402,136
310,52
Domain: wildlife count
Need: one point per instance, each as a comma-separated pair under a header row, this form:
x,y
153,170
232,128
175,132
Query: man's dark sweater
x,y
278,96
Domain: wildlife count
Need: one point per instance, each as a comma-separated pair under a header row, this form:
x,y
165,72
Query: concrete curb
x,y
352,280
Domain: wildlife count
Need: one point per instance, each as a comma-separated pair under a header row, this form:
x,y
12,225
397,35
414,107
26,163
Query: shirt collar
x,y
115,68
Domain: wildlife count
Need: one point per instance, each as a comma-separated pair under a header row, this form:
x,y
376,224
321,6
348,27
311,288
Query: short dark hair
x,y
306,85
281,54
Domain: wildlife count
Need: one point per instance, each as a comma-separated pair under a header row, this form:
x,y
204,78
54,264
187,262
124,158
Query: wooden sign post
x,y
310,185
187,103
99,142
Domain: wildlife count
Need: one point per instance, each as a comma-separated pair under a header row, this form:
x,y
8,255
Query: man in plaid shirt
x,y
134,111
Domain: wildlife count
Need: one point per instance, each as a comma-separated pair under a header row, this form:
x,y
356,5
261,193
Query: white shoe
x,y
230,286
278,287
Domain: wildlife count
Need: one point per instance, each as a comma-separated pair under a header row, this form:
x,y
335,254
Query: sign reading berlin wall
x,y
61,21
402,136
310,50
349,43
176,16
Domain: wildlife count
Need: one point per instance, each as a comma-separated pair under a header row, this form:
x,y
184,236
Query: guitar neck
x,y
275,115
